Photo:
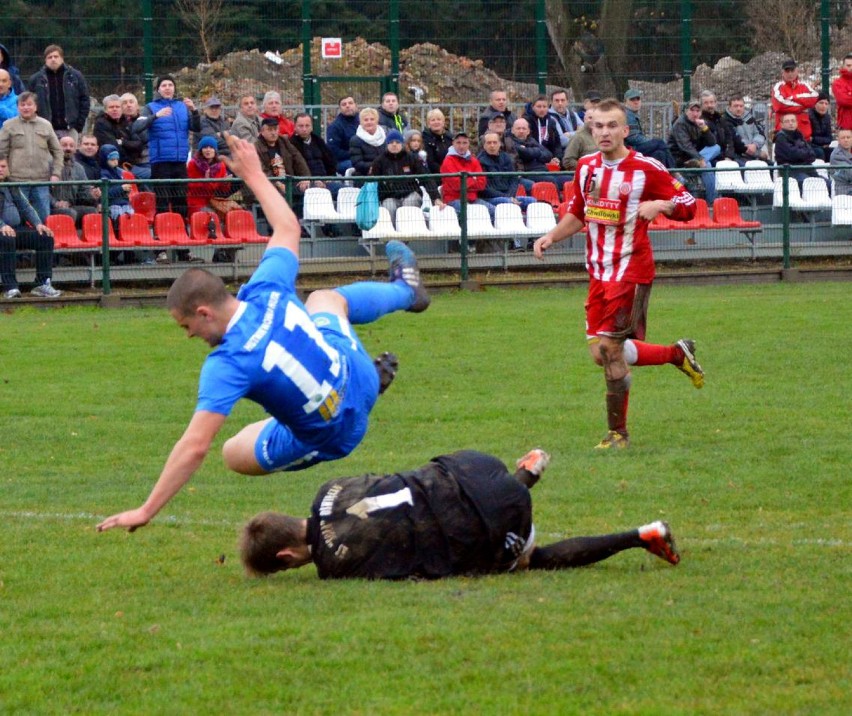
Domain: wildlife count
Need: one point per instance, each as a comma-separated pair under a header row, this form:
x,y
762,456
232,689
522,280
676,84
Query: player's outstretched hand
x,y
541,245
131,520
244,158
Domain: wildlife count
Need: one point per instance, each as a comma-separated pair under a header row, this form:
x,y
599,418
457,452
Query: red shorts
x,y
618,309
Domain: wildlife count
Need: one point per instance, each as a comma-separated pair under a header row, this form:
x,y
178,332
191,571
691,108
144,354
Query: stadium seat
x,y
729,181
540,218
319,206
701,220
521,191
240,227
93,229
170,229
757,177
508,220
64,231
664,223
346,200
479,222
815,196
821,167
144,203
130,177
794,197
841,210
444,223
546,191
383,228
204,227
410,223
726,213
561,210
567,190
133,230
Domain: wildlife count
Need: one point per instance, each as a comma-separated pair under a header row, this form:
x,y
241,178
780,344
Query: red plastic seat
x,y
170,229
134,187
567,190
521,191
664,223
240,226
726,213
561,210
144,203
200,227
546,191
702,219
133,231
64,232
93,230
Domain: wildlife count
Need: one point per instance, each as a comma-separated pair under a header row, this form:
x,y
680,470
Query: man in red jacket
x,y
617,194
460,159
841,88
791,96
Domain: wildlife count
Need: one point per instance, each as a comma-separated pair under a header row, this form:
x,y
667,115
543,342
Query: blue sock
x,y
370,300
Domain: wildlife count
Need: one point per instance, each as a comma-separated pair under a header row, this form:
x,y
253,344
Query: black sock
x,y
580,551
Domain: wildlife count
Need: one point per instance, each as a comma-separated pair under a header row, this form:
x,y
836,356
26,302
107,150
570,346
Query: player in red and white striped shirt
x,y
617,194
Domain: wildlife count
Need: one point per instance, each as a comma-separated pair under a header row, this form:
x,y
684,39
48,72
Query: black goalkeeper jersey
x,y
461,514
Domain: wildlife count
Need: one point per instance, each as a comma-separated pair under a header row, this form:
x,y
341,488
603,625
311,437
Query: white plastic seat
x,y
346,202
479,221
814,195
794,196
410,222
508,220
821,167
757,177
729,181
444,223
319,206
841,209
383,228
540,218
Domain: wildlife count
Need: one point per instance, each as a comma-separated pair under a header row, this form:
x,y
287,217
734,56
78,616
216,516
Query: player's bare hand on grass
x,y
131,520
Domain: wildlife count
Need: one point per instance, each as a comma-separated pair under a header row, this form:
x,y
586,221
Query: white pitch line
x,y
189,522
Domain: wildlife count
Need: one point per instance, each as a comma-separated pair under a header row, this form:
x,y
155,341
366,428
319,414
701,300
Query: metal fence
x,y
775,214
120,45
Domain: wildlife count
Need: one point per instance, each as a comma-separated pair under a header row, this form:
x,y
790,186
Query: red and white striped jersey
x,y
607,197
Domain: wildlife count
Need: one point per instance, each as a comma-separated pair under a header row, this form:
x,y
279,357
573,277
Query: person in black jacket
x,y
822,135
721,129
396,162
436,140
62,93
791,148
462,513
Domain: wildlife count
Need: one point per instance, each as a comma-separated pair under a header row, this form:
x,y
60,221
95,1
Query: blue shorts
x,y
278,449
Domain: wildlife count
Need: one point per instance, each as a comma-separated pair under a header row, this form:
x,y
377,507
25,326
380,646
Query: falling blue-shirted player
x,y
301,361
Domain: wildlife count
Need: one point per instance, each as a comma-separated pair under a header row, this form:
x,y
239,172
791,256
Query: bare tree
x,y
789,26
593,52
203,16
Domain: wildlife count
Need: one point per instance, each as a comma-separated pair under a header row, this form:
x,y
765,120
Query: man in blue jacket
x,y
169,120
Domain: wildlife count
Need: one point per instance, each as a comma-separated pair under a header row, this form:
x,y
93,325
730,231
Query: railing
x,y
777,214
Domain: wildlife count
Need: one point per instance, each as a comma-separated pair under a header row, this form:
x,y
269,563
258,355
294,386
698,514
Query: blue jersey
x,y
274,354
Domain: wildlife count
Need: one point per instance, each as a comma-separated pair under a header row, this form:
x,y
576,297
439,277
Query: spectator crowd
x,y
47,137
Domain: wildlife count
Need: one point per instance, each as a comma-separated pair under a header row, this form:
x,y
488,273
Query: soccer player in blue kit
x,y
302,362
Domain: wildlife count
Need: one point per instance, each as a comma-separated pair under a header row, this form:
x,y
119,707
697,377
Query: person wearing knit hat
x,y
206,163
394,136
822,132
118,193
168,120
207,141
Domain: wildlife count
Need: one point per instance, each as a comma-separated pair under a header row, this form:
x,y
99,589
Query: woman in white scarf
x,y
368,142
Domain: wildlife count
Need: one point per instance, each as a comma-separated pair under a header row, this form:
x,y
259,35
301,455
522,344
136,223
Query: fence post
x,y
825,43
541,46
148,49
105,219
686,46
785,213
463,243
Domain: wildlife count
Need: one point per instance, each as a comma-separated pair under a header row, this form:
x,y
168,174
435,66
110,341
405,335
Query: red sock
x,y
653,354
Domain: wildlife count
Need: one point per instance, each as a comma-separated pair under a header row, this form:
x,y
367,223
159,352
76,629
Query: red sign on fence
x,y
332,48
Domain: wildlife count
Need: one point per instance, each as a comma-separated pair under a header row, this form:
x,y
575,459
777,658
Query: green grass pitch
x,y
752,472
